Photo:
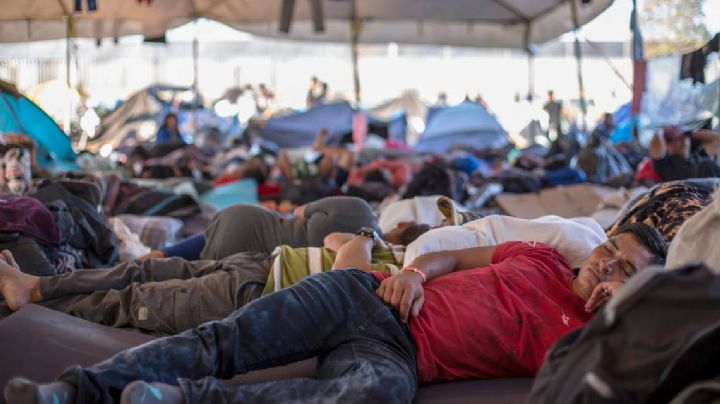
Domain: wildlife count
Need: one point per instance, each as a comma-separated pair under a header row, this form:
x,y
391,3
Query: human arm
x,y
356,252
709,138
657,148
334,241
404,291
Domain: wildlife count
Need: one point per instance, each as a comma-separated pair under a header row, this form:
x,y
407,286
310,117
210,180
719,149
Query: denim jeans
x,y
364,353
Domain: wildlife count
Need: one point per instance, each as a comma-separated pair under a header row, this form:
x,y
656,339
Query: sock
x,y
140,392
23,391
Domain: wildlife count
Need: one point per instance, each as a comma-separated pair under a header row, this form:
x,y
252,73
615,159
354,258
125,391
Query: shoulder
x,y
529,251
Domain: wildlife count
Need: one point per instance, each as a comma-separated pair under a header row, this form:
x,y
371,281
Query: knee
x,y
388,387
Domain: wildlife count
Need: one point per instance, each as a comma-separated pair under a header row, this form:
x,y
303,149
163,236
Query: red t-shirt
x,y
499,320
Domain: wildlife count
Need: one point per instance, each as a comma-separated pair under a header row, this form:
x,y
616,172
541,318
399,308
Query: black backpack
x,y
657,336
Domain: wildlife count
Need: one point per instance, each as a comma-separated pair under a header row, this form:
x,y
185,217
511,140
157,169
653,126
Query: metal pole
x,y
578,58
68,63
196,68
355,29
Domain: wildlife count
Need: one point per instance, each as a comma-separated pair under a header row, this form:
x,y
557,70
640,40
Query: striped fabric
x,y
290,265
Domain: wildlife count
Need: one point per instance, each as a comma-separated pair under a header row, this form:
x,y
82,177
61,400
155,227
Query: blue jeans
x,y
364,353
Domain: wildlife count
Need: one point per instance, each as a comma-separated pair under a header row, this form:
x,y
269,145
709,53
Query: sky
x,y
603,28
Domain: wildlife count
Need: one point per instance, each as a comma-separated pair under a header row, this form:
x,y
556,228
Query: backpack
x,y
658,335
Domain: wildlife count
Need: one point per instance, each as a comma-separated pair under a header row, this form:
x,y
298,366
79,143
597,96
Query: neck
x,y
579,291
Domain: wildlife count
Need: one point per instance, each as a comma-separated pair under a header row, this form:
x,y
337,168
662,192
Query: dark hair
x,y
168,116
257,169
650,238
377,176
412,232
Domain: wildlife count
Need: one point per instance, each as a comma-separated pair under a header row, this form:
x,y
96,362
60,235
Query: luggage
x,y
659,334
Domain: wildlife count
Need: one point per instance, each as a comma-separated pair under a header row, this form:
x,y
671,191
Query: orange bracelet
x,y
420,273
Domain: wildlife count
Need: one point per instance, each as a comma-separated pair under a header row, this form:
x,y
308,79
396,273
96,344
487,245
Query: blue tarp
x,y
20,115
467,124
623,124
299,130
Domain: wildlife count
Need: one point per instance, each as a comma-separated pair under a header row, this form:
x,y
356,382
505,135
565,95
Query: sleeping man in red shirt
x,y
476,313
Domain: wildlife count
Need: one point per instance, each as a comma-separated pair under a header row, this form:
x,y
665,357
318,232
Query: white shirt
x,y
574,238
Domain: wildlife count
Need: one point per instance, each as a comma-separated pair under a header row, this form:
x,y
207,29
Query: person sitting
x,y
672,159
476,313
169,132
168,296
603,131
249,228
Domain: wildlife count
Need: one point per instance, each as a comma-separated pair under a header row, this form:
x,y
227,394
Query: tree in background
x,y
672,26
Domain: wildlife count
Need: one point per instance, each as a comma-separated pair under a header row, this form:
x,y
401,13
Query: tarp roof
x,y
478,23
466,124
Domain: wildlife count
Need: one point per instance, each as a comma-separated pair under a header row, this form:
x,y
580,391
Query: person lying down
x,y
481,312
169,296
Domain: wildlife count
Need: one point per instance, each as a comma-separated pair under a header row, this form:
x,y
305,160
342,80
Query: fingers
x,y
599,296
405,303
381,290
417,305
396,296
9,258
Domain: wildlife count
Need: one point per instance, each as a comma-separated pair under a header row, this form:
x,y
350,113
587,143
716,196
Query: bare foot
x,y
150,393
17,287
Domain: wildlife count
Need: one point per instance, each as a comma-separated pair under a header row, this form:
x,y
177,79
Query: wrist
x,y
420,274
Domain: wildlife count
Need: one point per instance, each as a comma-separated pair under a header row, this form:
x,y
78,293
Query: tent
x,y
400,116
20,115
300,129
467,124
142,114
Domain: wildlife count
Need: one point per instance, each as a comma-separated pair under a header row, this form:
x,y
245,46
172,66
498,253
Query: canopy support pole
x,y
355,29
68,65
638,57
578,58
196,67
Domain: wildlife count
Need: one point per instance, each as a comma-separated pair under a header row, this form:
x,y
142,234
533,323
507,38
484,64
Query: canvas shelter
x,y
20,115
467,124
300,129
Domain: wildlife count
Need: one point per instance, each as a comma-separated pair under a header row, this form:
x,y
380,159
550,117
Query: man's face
x,y
394,236
679,146
616,260
609,121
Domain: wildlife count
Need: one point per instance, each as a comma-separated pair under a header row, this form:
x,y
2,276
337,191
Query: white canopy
x,y
481,23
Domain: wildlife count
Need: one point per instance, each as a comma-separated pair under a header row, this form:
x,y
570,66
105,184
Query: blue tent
x,y
299,130
623,125
20,115
467,124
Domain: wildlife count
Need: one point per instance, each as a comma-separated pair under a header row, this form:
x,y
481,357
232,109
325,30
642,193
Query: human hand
x,y
601,294
7,258
404,293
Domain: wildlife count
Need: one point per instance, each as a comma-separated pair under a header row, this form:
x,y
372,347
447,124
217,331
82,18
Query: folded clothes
x,y
30,217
